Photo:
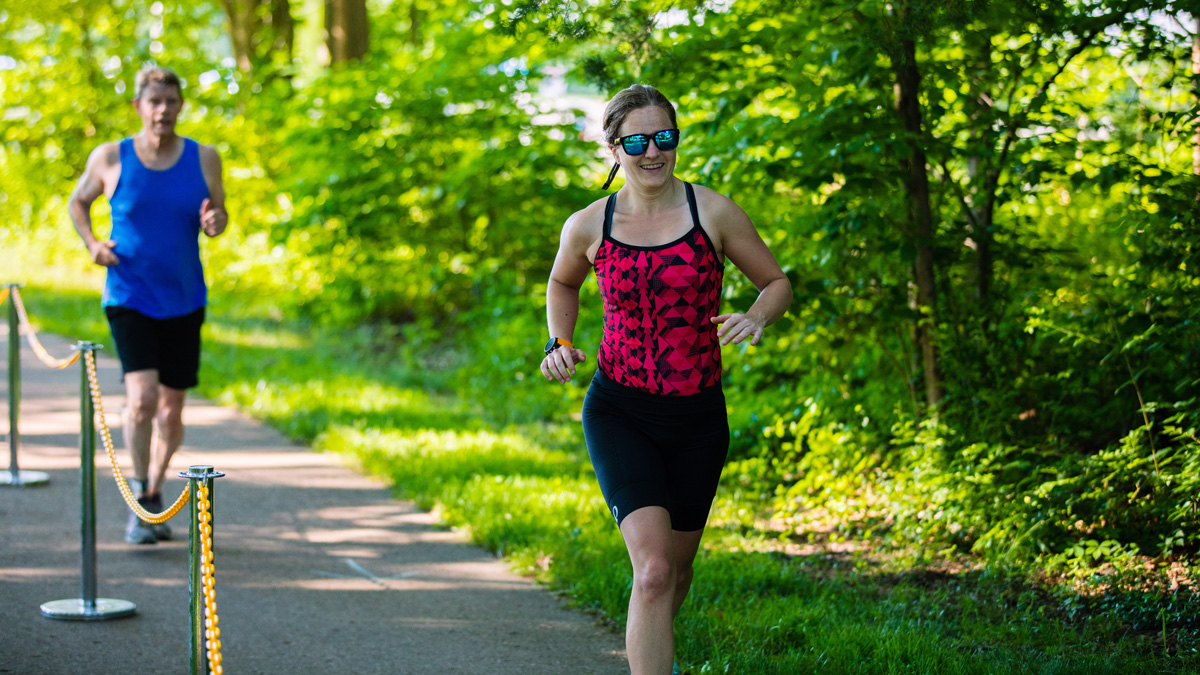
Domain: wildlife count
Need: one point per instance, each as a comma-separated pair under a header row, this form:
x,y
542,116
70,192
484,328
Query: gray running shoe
x,y
154,504
138,531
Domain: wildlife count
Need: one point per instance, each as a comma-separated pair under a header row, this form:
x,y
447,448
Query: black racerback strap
x,y
691,196
608,214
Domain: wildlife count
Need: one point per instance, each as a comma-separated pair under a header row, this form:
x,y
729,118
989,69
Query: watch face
x,y
551,345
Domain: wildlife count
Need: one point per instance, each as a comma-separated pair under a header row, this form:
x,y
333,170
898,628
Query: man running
x,y
164,190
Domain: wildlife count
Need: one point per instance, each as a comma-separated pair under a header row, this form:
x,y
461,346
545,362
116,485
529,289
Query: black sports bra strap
x,y
608,214
691,196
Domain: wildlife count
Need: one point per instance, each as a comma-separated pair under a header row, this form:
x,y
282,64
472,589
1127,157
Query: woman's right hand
x,y
560,363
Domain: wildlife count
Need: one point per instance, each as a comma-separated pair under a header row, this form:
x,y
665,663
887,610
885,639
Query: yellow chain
x,y
43,355
106,436
212,628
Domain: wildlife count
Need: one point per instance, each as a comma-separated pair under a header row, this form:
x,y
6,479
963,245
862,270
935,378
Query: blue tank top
x,y
156,224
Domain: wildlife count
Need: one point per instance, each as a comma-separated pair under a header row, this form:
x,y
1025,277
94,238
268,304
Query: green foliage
x,y
1058,139
441,181
446,175
408,207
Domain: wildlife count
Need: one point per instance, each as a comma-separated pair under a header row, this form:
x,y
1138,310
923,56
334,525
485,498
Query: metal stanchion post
x,y
197,475
15,477
88,607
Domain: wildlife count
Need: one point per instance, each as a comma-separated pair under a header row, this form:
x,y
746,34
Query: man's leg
x,y
168,434
178,367
141,407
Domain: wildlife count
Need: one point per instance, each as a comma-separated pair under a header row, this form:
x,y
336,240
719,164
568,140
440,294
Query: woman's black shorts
x,y
654,450
170,346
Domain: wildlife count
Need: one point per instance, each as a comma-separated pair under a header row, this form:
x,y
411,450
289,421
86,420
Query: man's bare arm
x,y
91,185
213,216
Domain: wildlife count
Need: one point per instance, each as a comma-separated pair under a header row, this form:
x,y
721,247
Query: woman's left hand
x,y
737,327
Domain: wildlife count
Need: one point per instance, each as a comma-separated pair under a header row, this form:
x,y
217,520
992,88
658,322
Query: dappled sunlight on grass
x,y
273,337
306,409
453,452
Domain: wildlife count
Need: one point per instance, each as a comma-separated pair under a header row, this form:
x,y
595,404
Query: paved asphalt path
x,y
319,569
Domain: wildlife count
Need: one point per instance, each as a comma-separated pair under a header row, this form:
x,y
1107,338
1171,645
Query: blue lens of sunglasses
x,y
636,144
667,139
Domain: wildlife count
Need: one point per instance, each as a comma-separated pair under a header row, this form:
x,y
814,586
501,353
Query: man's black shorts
x,y
170,346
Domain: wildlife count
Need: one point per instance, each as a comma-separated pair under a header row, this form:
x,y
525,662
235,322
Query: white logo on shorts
x,y
615,513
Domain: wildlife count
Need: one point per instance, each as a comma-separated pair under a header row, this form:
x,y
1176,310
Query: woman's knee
x,y
655,577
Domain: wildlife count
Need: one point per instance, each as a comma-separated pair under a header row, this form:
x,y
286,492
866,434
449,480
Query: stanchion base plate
x,y
74,609
23,479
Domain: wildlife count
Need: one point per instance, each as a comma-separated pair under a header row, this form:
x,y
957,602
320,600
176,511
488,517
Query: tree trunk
x,y
414,24
983,215
1196,71
242,26
980,219
258,29
346,30
283,27
983,250
908,84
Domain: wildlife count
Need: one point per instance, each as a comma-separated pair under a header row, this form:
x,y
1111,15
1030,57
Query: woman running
x,y
654,417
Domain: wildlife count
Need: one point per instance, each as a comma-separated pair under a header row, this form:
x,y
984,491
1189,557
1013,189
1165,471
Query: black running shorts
x,y
170,346
655,450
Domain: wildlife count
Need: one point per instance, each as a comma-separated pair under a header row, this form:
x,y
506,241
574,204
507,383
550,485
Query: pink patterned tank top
x,y
657,304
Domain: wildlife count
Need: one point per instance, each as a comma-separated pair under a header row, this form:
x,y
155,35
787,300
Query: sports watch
x,y
555,343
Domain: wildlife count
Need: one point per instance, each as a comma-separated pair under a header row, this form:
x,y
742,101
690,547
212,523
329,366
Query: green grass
x,y
527,491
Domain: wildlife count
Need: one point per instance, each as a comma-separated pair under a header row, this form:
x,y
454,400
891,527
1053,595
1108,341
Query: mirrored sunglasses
x,y
636,144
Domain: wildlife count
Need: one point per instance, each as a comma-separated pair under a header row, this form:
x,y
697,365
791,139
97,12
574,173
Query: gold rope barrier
x,y
212,629
106,436
43,355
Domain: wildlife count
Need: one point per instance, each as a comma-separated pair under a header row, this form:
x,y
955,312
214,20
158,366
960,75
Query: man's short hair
x,y
156,75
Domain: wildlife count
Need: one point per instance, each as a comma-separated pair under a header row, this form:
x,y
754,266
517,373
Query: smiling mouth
x,y
652,167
